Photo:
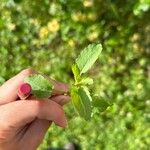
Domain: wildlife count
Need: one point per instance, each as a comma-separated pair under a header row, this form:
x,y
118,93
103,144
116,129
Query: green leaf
x,y
81,100
41,87
88,57
86,81
101,104
76,73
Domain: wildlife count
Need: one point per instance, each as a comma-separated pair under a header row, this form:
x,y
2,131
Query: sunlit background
x,y
49,34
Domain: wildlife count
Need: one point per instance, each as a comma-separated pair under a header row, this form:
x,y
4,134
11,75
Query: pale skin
x,y
23,123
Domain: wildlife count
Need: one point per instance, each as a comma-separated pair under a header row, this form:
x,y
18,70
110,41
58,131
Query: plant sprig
x,y
81,97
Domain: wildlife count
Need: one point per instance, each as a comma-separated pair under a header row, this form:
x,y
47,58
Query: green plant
x,y
80,94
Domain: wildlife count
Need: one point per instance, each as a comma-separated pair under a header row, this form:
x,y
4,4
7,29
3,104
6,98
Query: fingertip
x,y
66,99
59,117
27,71
60,99
62,122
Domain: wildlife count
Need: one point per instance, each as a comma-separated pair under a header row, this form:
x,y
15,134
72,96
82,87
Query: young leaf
x,y
76,73
101,104
81,100
88,56
41,87
86,81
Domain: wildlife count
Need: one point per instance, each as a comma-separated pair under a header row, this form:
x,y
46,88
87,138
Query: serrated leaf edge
x,y
83,51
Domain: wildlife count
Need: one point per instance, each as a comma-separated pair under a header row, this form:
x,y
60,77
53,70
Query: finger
x,y
60,99
39,127
59,87
9,89
35,133
20,113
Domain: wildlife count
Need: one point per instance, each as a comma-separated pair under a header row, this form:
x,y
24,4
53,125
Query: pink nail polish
x,y
24,90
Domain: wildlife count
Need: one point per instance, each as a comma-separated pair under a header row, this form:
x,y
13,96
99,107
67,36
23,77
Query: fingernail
x,y
24,90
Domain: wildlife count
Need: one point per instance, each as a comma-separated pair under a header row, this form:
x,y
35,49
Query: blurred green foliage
x,y
48,35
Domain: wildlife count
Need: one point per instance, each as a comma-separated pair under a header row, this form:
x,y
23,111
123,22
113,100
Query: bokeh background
x,y
49,34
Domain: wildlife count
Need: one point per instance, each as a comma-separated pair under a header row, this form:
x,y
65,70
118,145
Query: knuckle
x,y
4,133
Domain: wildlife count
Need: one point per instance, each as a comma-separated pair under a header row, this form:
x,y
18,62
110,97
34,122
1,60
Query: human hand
x,y
23,123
